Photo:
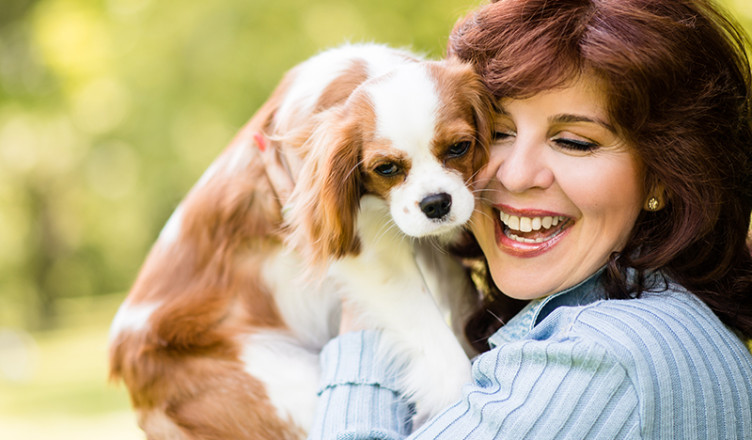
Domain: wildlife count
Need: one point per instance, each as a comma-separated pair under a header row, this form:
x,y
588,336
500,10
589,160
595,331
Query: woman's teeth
x,y
528,224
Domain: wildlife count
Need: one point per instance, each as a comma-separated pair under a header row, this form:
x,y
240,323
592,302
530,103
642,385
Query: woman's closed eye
x,y
499,136
575,144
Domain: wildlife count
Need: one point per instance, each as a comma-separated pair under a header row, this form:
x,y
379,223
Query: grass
x,y
54,384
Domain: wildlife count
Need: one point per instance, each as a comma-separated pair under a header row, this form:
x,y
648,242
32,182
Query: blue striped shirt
x,y
568,366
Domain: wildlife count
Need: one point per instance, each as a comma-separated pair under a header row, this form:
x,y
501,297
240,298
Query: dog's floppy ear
x,y
483,112
481,101
324,205
472,94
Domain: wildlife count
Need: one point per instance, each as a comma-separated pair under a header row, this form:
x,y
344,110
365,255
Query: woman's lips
x,y
528,233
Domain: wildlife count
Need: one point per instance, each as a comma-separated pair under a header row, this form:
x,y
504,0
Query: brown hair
x,y
677,78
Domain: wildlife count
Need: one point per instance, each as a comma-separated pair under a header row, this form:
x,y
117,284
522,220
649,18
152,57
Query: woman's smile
x,y
562,191
529,233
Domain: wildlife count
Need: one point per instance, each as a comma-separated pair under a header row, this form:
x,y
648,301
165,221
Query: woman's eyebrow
x,y
570,118
567,118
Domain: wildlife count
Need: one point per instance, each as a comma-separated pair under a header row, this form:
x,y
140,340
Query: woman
x,y
616,203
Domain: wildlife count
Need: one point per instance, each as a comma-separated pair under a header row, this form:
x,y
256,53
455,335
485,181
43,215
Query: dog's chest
x,y
309,308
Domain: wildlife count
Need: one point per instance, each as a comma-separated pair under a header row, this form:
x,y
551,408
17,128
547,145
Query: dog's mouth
x,y
533,230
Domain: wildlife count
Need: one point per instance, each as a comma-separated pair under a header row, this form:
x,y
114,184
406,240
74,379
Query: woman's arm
x,y
524,389
357,398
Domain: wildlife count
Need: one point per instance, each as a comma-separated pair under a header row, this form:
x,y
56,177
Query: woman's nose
x,y
523,166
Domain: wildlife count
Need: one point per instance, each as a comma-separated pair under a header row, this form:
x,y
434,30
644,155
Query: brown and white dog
x,y
220,334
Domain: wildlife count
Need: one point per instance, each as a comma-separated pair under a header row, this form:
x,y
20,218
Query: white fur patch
x,y
428,177
239,159
317,73
210,172
289,372
234,161
406,103
171,230
310,309
132,318
159,425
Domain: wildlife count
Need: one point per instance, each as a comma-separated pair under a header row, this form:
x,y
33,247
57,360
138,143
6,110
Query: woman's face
x,y
561,192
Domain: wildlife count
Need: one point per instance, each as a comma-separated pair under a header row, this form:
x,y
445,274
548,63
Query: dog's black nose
x,y
436,206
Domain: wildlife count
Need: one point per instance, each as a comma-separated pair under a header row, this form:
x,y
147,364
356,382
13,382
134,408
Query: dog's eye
x,y
459,149
387,169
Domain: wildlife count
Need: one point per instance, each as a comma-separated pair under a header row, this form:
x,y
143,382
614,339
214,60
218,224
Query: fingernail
x,y
260,141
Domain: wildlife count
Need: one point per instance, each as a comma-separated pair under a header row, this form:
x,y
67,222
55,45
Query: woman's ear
x,y
325,202
656,198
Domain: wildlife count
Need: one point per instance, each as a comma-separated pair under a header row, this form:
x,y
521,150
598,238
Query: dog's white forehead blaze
x,y
132,318
317,73
406,104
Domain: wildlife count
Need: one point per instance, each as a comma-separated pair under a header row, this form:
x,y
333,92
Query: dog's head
x,y
414,137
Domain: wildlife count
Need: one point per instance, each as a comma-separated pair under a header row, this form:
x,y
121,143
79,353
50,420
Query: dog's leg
x,y
451,287
385,283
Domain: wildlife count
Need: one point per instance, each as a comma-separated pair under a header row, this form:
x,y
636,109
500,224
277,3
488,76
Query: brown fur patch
x,y
184,363
328,191
375,155
342,87
465,114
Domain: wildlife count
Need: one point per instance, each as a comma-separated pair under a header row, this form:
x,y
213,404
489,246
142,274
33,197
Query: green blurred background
x,y
109,111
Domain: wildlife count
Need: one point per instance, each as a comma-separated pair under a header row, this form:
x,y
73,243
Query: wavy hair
x,y
679,89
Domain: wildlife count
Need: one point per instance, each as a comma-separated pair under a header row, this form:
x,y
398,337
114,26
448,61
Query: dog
x,y
220,334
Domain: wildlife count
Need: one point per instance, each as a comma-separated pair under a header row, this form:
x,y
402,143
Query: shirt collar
x,y
536,310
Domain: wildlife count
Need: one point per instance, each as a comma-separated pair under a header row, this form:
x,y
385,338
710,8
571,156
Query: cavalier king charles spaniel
x,y
220,335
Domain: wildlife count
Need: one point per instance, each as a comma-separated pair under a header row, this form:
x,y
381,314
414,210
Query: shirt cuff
x,y
357,393
351,359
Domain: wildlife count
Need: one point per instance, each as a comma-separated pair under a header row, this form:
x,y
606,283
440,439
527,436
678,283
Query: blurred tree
x,y
111,109
14,10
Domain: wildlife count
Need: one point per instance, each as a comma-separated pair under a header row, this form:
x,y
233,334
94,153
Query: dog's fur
x,y
219,336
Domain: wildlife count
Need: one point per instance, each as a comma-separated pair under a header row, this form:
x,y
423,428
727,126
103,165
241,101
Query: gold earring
x,y
653,204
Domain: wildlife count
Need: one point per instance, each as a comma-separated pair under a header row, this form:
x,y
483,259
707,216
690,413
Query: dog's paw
x,y
434,381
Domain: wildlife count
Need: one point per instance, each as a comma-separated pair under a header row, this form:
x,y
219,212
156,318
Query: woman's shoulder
x,y
670,325
676,353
